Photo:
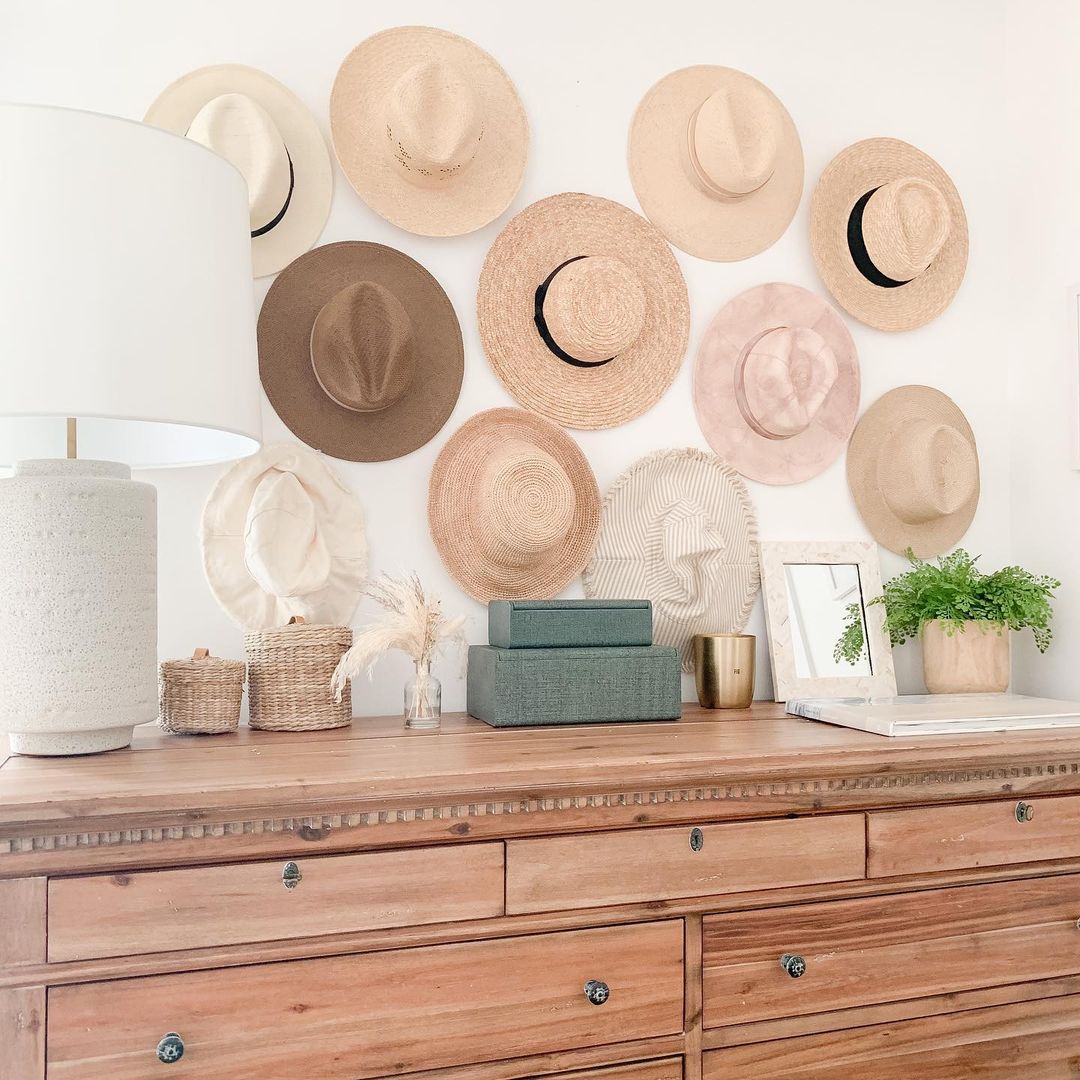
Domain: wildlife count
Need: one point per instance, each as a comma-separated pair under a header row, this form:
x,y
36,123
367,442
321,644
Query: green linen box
x,y
545,687
568,624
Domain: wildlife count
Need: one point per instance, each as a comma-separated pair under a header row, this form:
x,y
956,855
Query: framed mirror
x,y
826,638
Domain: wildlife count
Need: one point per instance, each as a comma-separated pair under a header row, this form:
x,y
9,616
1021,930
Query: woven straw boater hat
x,y
913,469
678,529
429,130
776,384
716,162
266,131
889,234
583,311
360,351
513,507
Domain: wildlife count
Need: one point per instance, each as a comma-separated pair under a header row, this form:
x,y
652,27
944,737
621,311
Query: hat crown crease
x,y
683,538
905,224
926,471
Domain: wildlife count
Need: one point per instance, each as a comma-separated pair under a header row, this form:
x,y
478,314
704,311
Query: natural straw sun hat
x,y
913,469
583,311
776,384
889,234
268,133
513,507
429,130
716,162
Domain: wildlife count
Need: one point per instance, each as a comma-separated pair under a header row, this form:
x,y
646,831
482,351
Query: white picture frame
x,y
776,557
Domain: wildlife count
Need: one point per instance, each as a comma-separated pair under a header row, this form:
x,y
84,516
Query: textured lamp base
x,y
64,743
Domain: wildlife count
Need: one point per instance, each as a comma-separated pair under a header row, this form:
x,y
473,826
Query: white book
x,y
940,714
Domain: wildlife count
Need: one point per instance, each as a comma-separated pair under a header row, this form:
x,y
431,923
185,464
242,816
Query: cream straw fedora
x,y
583,311
776,384
513,507
429,130
272,138
889,234
716,162
913,469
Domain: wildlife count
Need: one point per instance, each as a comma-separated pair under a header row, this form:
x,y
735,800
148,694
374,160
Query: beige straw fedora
x,y
429,130
889,234
360,351
913,469
716,162
267,132
678,528
513,507
776,384
282,536
583,311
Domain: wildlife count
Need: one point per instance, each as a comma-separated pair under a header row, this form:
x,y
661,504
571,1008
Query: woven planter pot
x,y
972,661
200,696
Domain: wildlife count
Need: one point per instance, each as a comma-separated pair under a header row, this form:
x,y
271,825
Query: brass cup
x,y
724,670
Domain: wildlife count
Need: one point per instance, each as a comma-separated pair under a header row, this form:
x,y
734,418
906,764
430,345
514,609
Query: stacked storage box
x,y
572,662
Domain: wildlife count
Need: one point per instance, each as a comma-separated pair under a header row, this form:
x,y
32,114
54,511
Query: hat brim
x,y
870,440
856,170
454,528
313,176
774,461
358,103
535,242
723,230
284,334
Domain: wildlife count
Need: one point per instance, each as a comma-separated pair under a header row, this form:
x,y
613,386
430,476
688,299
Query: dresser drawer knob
x,y
697,839
597,992
793,964
170,1049
291,876
1024,812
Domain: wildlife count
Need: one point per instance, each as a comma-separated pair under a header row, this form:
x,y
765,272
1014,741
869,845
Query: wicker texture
x,y
200,696
289,671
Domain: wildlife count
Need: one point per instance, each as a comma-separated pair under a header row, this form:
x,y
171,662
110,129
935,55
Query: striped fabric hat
x,y
678,528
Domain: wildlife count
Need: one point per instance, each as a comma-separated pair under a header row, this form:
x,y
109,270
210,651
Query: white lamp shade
x,y
126,294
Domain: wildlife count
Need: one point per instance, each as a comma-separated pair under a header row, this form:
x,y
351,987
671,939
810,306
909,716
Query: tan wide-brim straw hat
x,y
309,187
776,384
411,391
429,130
889,234
583,311
678,528
913,469
513,507
716,162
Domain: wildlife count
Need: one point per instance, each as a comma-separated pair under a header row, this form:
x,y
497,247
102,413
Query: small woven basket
x,y
289,670
200,696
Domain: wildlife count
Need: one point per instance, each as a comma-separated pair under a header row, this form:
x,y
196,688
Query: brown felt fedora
x,y
360,351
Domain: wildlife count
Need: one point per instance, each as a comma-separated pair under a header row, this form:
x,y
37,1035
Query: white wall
x,y
925,71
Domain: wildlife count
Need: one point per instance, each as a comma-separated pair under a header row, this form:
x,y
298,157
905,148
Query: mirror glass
x,y
825,601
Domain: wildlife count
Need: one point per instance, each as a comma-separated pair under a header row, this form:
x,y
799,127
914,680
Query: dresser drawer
x,y
669,1069
972,834
639,865
888,948
225,905
353,1017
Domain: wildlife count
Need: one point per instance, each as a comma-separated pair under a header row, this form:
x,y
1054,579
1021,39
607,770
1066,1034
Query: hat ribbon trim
x,y
748,416
276,220
542,326
857,246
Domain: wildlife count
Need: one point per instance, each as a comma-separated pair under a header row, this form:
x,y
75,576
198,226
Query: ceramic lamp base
x,y
65,743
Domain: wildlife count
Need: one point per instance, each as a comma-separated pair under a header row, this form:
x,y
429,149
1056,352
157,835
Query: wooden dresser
x,y
728,896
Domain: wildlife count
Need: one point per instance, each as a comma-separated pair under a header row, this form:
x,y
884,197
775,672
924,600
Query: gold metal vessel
x,y
724,670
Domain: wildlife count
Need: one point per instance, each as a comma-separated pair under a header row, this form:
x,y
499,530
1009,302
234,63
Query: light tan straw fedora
x,y
429,130
583,311
913,469
268,133
776,384
889,234
513,507
716,162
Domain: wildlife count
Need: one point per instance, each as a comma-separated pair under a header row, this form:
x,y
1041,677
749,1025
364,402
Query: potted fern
x,y
963,617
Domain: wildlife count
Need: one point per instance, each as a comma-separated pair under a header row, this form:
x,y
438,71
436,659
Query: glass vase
x,y
423,700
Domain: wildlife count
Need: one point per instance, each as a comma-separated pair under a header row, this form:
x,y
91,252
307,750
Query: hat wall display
x,y
583,311
716,162
913,469
281,537
776,384
268,133
513,507
429,130
889,234
678,528
360,351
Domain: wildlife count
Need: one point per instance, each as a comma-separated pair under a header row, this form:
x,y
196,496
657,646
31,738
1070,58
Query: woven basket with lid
x,y
289,670
200,696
